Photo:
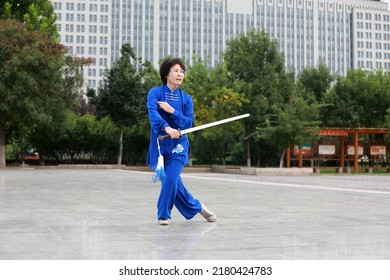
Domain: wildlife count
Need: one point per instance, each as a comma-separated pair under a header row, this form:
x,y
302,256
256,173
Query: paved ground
x,y
111,214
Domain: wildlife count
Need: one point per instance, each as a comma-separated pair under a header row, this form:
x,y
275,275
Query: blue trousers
x,y
173,191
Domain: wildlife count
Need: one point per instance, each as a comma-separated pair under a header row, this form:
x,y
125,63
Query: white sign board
x,y
351,150
326,149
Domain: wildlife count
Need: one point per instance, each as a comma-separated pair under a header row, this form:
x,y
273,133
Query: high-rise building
x,y
85,29
343,34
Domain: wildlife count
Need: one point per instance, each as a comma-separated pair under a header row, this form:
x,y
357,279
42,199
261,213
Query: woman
x,y
170,110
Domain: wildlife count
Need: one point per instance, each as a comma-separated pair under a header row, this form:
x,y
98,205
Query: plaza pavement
x,y
56,214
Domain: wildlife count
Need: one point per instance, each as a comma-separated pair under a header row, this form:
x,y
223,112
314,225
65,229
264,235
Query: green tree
x,y
104,146
136,143
37,14
30,79
358,100
213,101
80,138
78,135
315,82
122,96
150,76
387,124
45,134
197,82
257,70
295,123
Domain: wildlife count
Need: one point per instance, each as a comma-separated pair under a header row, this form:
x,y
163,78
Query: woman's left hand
x,y
166,107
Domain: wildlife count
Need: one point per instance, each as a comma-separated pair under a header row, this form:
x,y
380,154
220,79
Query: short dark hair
x,y
166,66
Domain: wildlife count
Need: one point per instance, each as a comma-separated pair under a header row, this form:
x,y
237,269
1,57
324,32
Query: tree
x,y
387,124
37,14
150,76
84,135
122,96
358,100
45,134
197,82
80,138
315,82
295,123
30,79
257,70
213,101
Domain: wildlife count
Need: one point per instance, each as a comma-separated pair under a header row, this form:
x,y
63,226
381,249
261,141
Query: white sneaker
x,y
207,214
163,222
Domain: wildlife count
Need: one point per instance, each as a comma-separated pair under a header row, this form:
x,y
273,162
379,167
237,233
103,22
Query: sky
x,y
388,1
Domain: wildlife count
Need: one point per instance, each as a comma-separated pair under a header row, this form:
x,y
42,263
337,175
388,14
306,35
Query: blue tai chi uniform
x,y
174,151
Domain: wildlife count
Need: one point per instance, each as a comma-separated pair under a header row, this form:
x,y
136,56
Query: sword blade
x,y
207,125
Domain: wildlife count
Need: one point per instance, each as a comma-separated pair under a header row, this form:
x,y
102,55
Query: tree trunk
x,y
2,146
300,159
248,153
282,159
190,156
120,147
224,154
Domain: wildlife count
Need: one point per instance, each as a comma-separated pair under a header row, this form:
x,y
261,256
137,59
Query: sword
x,y
207,125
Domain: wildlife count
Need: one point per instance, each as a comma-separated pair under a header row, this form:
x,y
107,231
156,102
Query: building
x,y
370,46
343,34
85,29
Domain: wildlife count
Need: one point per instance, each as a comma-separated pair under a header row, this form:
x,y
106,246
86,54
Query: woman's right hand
x,y
173,133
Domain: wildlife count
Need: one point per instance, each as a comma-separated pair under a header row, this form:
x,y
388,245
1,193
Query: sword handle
x,y
162,137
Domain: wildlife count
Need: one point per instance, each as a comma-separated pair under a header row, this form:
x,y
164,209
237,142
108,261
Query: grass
x,y
362,170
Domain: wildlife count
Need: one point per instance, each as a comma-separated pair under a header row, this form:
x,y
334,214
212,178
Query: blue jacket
x,y
182,118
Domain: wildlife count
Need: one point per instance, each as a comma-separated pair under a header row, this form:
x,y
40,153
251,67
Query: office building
x,y
343,34
85,29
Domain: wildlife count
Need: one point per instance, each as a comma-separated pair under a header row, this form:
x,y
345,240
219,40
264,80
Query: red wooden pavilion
x,y
342,133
